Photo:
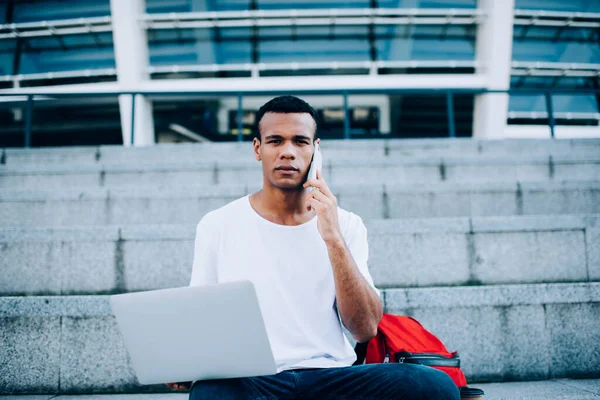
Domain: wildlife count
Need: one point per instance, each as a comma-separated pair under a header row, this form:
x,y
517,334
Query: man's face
x,y
286,148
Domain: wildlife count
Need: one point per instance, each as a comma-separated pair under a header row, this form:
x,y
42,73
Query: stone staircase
x,y
493,245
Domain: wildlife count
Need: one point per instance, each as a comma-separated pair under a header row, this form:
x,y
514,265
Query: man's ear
x,y
318,141
256,146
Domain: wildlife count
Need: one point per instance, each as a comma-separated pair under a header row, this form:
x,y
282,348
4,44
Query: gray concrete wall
x,y
514,332
403,253
336,173
426,169
476,239
186,204
333,149
526,332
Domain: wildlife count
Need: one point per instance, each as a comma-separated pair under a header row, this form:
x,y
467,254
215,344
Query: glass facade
x,y
54,52
560,45
207,39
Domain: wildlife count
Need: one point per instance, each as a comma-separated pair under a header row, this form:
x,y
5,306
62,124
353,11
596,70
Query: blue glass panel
x,y
189,46
68,53
545,82
549,44
3,13
559,5
167,6
316,50
561,103
556,52
234,33
228,5
313,44
551,34
183,54
52,10
424,43
234,53
579,104
310,44
6,56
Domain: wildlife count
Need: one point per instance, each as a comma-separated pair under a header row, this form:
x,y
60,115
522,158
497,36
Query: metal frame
x,y
56,29
62,27
557,19
373,66
255,69
557,115
312,17
30,97
552,69
86,73
558,71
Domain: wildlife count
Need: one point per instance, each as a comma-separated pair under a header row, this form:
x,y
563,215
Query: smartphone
x,y
315,164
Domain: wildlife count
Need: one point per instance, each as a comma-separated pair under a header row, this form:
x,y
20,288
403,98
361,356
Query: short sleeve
x,y
204,268
356,239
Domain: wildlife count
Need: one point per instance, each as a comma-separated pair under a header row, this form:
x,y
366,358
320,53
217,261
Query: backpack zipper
x,y
429,359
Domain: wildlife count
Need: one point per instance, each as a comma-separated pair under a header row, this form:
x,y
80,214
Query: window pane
x,y
559,5
68,53
425,43
7,56
28,11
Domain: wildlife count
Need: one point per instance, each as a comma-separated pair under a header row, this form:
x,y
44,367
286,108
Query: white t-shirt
x,y
290,269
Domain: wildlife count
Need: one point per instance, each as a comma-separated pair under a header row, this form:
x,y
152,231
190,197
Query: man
x,y
307,259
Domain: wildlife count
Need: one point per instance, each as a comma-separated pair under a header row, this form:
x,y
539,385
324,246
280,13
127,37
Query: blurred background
x,y
204,66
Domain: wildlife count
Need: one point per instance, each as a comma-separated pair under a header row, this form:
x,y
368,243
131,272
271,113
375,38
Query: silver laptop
x,y
194,333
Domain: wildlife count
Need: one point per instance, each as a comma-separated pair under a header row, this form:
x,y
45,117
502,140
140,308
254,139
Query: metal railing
x,y
521,69
30,97
557,19
312,17
56,28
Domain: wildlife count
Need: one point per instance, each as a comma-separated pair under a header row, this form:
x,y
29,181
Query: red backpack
x,y
403,339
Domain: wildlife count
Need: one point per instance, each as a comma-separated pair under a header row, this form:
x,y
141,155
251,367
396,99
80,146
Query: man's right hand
x,y
179,385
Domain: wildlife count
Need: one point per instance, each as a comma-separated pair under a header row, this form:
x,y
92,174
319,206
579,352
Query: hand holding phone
x,y
315,164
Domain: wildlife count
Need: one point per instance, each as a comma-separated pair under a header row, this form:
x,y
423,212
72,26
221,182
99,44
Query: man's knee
x,y
421,382
438,385
203,390
217,389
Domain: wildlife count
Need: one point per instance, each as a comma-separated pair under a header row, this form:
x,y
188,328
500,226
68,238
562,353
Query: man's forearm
x,y
358,304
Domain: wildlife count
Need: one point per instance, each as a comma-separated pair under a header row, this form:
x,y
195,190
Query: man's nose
x,y
288,151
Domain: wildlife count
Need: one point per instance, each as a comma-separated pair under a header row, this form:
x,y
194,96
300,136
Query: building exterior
x,y
204,66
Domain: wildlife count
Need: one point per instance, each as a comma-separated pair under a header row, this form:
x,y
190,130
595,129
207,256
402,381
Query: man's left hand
x,y
325,204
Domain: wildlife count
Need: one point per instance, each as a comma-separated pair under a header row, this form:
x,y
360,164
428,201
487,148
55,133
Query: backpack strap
x,y
361,352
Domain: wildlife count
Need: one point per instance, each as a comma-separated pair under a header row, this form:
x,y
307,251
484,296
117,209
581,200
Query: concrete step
x,y
563,389
403,253
556,389
426,169
333,149
186,204
506,332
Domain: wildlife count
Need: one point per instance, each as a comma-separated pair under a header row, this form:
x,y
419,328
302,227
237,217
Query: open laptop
x,y
194,333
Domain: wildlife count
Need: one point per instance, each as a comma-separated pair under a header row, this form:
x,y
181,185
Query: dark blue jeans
x,y
367,381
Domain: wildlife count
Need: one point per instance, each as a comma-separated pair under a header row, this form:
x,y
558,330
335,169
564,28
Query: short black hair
x,y
285,104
